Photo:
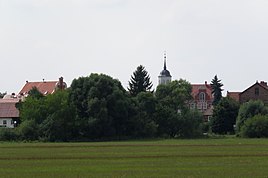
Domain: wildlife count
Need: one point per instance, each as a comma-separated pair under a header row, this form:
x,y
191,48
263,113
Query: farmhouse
x,y
45,87
9,114
258,91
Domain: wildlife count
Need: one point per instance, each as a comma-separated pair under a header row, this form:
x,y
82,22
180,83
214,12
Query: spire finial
x,y
165,58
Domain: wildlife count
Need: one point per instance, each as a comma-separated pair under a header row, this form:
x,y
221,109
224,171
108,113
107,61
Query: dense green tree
x,y
140,81
59,122
255,127
144,123
249,110
2,94
172,116
174,94
49,118
216,86
102,107
224,116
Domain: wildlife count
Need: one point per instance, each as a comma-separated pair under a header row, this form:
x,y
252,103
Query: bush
x,y
8,134
255,127
249,110
28,130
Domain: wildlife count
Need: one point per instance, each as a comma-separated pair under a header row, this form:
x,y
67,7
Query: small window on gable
x,y
202,96
257,91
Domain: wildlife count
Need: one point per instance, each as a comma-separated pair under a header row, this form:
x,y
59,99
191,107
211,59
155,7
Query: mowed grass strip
x,y
157,158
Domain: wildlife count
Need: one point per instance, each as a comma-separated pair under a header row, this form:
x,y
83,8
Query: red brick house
x,y
202,99
258,91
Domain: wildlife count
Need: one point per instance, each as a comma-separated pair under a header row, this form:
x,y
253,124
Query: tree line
x,y
97,107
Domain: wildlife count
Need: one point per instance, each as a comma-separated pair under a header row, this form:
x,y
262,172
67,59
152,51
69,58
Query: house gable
x,y
258,91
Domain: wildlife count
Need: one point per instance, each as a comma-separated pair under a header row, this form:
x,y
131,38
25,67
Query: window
x,y
205,105
199,105
202,96
257,91
192,105
4,122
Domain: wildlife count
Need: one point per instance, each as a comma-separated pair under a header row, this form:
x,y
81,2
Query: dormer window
x,y
257,91
202,96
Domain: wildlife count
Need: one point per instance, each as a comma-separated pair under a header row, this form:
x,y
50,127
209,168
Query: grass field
x,y
230,157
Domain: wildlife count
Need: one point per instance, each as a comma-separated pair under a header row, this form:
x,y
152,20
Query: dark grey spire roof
x,y
165,72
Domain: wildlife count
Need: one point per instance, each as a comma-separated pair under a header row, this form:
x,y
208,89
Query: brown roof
x,y
8,108
234,95
46,87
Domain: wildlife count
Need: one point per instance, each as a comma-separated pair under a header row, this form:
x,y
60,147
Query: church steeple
x,y
164,76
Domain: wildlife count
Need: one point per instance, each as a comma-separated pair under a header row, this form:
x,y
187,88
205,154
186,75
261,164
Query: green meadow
x,y
228,157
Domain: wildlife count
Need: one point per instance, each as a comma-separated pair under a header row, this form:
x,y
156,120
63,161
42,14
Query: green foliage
x,y
140,81
192,124
28,130
174,94
102,107
35,93
173,117
224,116
256,127
7,134
216,89
48,118
143,123
249,110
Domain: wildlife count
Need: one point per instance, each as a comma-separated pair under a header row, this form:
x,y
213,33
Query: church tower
x,y
164,76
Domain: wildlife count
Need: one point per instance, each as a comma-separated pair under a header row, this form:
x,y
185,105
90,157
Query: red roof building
x,y
45,87
202,99
257,91
233,95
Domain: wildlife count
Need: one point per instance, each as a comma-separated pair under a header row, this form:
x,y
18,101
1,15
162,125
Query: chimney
x,y
263,83
61,84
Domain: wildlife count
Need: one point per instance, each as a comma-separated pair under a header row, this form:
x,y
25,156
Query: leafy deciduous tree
x,y
224,116
102,106
249,110
255,127
173,117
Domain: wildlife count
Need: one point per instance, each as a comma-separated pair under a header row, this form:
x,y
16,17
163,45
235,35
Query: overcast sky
x,y
47,39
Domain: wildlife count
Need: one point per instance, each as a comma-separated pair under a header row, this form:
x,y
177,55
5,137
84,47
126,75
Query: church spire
x,y
165,58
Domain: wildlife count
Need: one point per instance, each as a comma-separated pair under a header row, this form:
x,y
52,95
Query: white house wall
x,y
9,122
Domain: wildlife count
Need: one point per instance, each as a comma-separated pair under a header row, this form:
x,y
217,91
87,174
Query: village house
x,y
9,114
258,91
202,99
45,87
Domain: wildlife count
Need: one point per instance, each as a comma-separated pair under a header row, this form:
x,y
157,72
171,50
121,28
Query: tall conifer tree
x,y
140,81
216,89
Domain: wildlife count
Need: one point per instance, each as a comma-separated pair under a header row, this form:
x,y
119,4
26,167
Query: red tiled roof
x,y
45,88
197,87
8,108
234,95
